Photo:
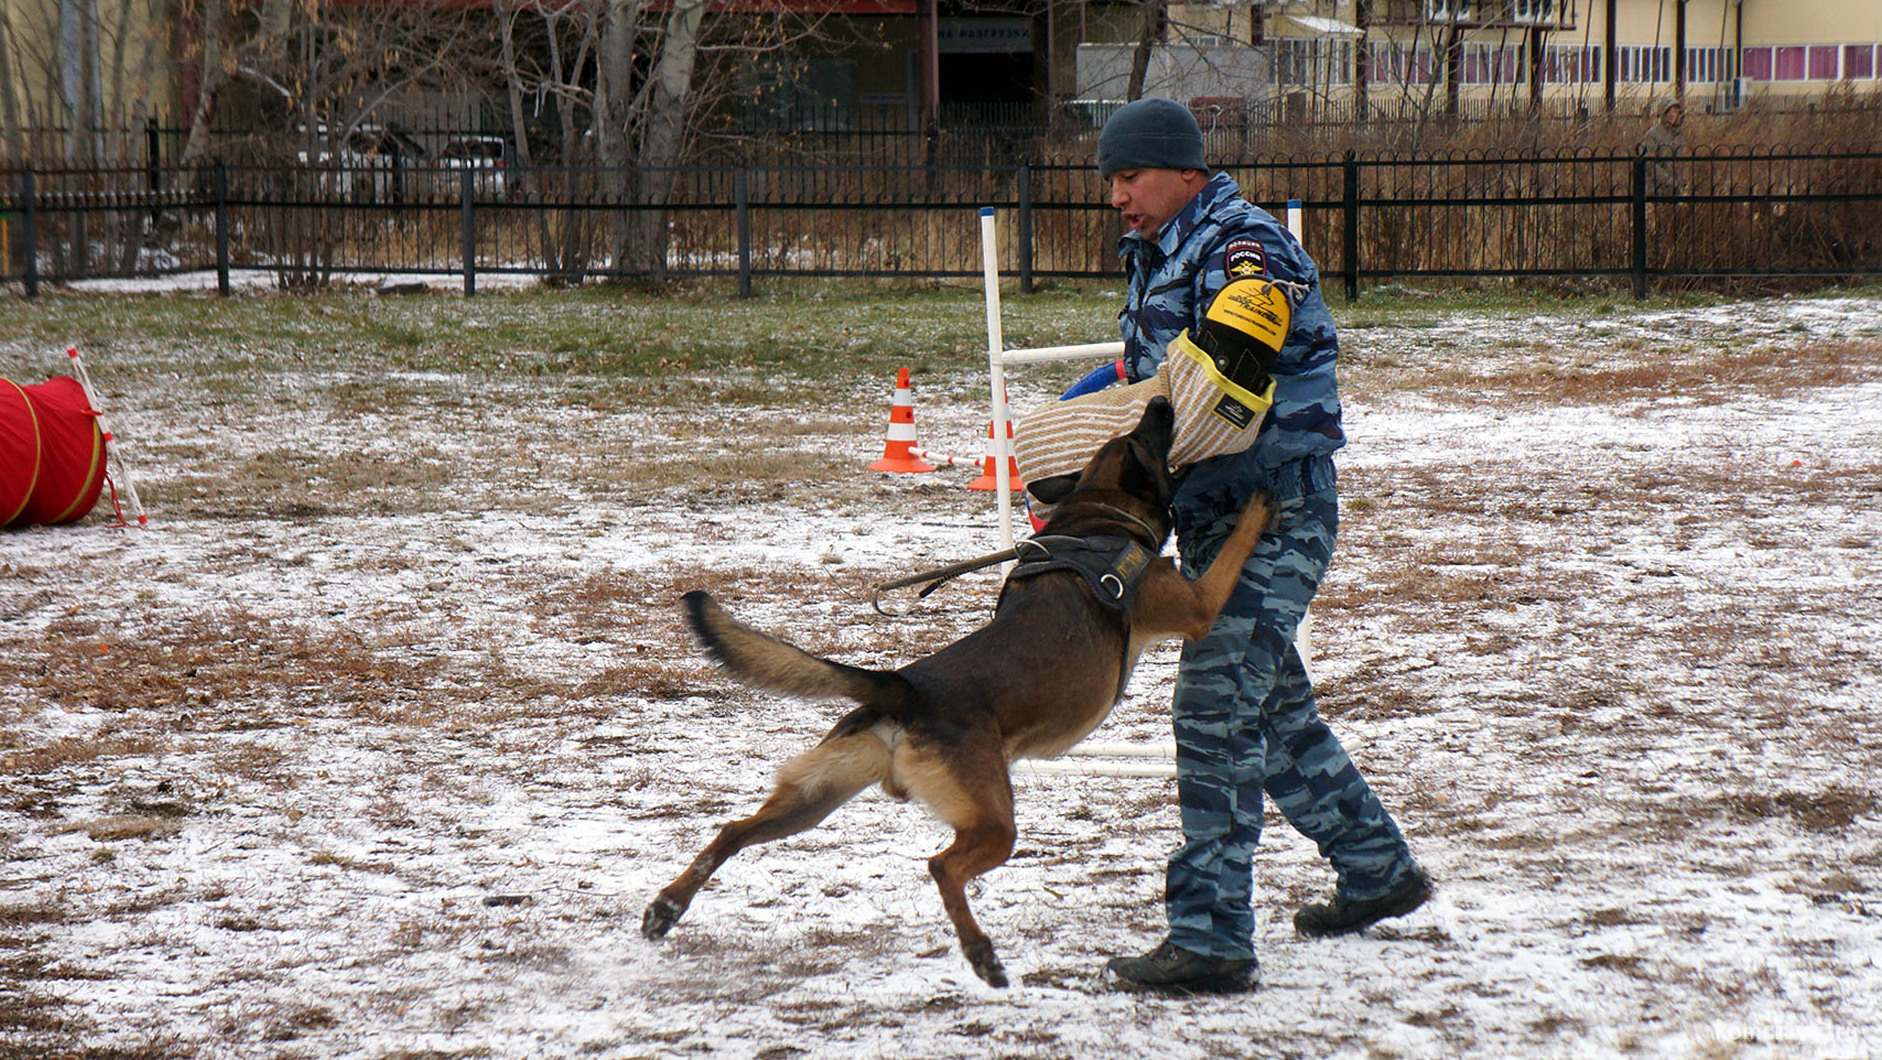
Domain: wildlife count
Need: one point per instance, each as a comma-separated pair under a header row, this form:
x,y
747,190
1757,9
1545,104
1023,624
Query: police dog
x,y
1031,683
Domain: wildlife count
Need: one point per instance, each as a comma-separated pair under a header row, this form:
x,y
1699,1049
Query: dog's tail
x,y
765,662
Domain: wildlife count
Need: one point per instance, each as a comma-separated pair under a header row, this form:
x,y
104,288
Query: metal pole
x,y
1640,225
742,192
996,375
29,233
221,184
1025,229
1350,237
153,162
470,232
1610,53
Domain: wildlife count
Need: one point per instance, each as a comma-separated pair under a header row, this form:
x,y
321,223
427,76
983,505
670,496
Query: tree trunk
x,y
513,83
662,134
215,75
613,116
221,57
10,130
1147,37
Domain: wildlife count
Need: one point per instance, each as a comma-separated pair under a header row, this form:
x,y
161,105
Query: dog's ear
x,y
1052,490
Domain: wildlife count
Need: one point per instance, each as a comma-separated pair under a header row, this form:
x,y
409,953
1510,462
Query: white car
x,y
369,165
487,157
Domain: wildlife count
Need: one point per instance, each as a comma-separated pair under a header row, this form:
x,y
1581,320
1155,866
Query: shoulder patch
x,y
1243,257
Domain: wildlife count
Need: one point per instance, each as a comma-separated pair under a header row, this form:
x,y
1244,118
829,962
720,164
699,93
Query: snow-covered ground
x,y
376,776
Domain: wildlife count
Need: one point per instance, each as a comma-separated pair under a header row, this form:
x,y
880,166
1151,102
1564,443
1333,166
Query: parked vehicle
x,y
371,163
387,155
487,157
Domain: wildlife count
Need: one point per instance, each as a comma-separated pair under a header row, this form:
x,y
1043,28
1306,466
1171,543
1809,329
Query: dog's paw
x,y
662,913
985,964
994,975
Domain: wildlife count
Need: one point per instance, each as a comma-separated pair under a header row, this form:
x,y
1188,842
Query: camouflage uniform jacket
x,y
1218,237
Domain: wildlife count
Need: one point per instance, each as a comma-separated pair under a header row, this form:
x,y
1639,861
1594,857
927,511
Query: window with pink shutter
x,y
1823,62
1758,64
1787,62
1859,61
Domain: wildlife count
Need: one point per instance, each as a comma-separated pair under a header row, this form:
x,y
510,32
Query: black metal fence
x,y
1625,217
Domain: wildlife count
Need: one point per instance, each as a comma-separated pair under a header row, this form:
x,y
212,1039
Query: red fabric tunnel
x,y
52,454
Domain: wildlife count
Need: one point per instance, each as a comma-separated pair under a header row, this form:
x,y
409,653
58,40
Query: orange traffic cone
x,y
898,453
989,469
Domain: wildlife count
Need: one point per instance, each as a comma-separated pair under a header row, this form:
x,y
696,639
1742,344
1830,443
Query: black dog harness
x,y
1113,566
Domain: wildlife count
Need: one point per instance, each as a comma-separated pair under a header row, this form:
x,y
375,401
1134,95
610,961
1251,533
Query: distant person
x,y
1664,141
1243,711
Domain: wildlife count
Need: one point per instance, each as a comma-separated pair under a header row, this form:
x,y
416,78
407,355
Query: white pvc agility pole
x,y
124,464
1303,633
996,344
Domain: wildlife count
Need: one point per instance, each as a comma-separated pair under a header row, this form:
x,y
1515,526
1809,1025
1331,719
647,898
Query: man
x,y
1243,709
1662,142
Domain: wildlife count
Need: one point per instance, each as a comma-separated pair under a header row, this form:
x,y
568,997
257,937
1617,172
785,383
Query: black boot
x,y
1172,969
1344,916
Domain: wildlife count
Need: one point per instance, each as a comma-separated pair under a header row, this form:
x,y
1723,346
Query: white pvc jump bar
x,y
1124,750
1101,760
1053,767
1043,354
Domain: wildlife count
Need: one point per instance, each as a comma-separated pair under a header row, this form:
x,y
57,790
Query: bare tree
x,y
1148,35
627,82
86,86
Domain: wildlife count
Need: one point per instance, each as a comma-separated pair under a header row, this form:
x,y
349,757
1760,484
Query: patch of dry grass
x,y
230,656
1701,375
291,484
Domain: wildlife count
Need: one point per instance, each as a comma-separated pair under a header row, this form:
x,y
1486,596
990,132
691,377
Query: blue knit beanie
x,y
1150,133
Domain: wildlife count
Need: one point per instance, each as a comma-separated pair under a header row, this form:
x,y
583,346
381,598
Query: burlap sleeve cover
x,y
1214,417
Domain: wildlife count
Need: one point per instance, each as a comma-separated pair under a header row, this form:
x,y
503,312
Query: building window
x,y
1709,64
1823,62
1394,62
1787,62
1643,65
1448,10
1571,64
1757,63
1533,10
1489,64
1858,62
1312,61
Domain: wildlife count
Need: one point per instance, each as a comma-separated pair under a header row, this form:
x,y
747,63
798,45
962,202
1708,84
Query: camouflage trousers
x,y
1246,724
